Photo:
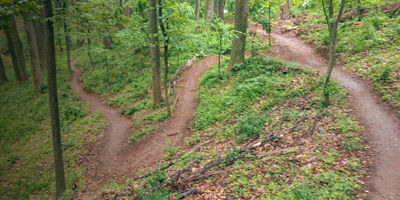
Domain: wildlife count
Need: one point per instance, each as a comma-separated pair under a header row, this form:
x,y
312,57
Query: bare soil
x,y
112,158
377,117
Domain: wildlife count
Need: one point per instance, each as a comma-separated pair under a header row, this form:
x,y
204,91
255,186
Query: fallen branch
x,y
316,120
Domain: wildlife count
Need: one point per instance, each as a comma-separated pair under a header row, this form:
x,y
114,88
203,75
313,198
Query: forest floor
x,y
112,158
380,120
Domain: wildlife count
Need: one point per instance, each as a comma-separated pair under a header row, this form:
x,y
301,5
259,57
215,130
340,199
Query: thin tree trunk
x,y
209,10
18,48
198,9
221,9
34,54
66,33
155,52
240,26
3,76
53,101
166,43
11,50
285,11
333,25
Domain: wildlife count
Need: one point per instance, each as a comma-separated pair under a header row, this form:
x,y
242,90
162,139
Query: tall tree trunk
x,y
18,48
198,9
285,11
155,52
221,9
240,26
34,54
209,10
11,50
67,33
39,29
53,101
3,76
166,43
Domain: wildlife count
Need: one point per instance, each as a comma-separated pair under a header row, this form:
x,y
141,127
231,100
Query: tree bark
x,y
155,52
221,8
66,33
39,30
53,101
285,11
333,25
209,10
18,48
3,76
40,41
198,10
11,50
240,26
34,54
166,43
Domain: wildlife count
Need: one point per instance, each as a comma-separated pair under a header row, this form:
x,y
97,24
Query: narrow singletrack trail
x,y
113,157
379,119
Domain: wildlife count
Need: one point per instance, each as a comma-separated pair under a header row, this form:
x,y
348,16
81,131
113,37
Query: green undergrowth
x,y
317,159
370,48
26,154
123,74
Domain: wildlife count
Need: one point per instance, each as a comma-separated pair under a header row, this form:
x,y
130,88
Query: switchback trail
x,y
113,158
381,122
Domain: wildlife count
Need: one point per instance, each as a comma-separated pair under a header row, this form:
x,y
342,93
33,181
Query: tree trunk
x,y
3,76
240,26
34,54
155,52
333,25
53,101
209,10
127,10
11,50
359,6
285,11
18,48
166,43
39,28
66,33
221,9
198,9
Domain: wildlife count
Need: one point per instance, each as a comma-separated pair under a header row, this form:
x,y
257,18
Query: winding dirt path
x,y
379,119
113,158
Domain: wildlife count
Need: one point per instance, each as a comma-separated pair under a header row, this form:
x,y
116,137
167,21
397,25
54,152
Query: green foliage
x,y
25,127
250,125
140,134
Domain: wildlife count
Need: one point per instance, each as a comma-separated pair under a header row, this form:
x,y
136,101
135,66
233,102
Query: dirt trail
x,y
113,158
379,119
